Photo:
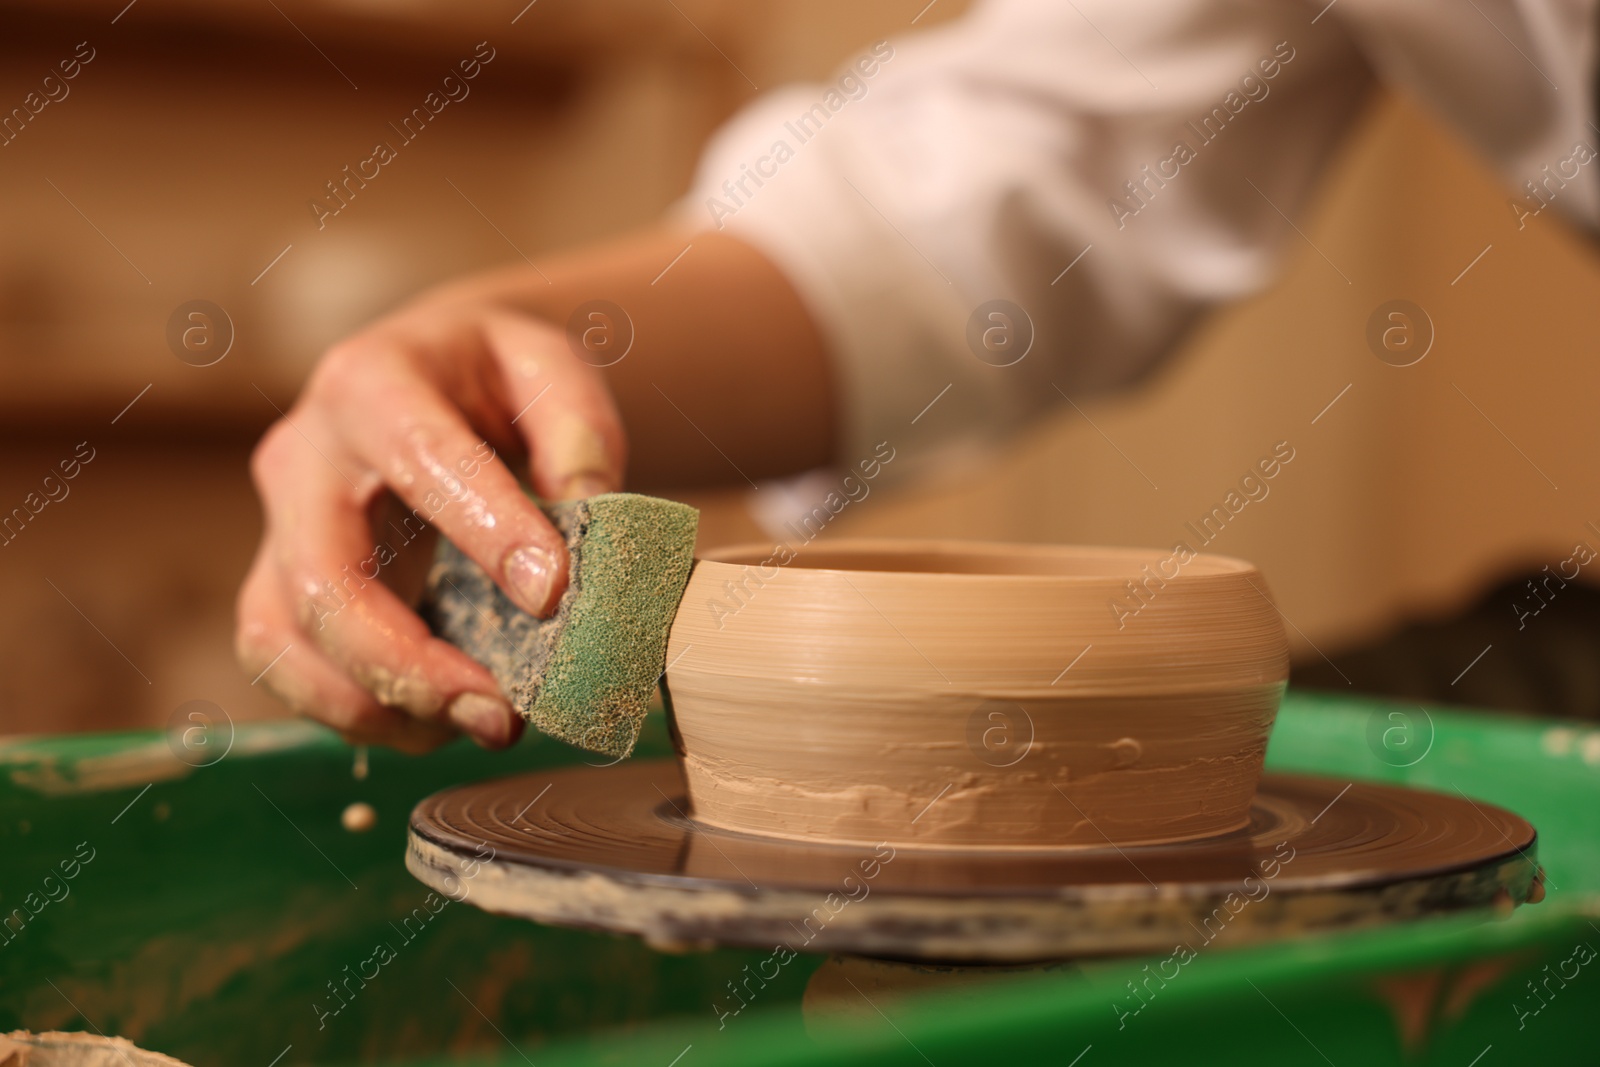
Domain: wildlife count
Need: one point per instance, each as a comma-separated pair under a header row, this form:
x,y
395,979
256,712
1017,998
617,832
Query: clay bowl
x,y
974,696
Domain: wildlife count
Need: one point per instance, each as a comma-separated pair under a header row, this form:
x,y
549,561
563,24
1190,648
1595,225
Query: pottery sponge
x,y
587,673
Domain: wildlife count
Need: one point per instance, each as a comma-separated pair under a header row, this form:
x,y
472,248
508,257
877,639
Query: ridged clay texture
x,y
974,696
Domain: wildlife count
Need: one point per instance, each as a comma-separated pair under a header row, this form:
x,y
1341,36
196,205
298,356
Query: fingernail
x,y
582,486
530,575
487,719
577,457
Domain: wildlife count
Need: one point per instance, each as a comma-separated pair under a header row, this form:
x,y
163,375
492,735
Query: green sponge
x,y
587,673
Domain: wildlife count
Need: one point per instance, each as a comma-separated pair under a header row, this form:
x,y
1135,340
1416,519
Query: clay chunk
x,y
21,1048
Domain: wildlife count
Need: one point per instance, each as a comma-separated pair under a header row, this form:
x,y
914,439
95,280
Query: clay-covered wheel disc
x,y
612,849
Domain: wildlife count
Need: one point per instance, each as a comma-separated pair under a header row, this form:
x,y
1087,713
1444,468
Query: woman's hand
x,y
436,405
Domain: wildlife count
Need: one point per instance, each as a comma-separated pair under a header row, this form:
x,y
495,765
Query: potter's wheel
x,y
612,849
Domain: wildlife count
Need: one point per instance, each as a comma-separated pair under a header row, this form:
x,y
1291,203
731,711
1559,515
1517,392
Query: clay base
x,y
610,848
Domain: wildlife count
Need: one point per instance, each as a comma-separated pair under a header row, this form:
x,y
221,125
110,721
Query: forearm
x,y
727,378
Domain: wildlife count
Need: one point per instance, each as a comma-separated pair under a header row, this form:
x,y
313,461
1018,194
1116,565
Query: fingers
x,y
561,408
277,655
451,478
399,408
328,566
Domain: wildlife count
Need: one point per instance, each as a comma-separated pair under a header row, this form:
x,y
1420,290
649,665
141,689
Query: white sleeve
x,y
1109,168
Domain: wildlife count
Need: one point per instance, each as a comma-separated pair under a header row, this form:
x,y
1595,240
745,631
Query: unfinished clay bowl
x,y
974,696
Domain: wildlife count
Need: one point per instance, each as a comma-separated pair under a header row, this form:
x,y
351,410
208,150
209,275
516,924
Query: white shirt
x,y
980,160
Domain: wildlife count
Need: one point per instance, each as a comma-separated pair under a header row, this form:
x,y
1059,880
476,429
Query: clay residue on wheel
x,y
57,1049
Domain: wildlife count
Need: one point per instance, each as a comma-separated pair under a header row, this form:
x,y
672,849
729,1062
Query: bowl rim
x,y
755,553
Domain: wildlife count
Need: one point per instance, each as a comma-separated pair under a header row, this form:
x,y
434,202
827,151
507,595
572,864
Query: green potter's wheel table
x,y
224,916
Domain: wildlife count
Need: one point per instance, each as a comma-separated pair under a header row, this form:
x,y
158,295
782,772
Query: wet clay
x,y
978,696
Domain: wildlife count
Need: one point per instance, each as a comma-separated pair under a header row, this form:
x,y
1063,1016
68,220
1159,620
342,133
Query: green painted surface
x,y
221,904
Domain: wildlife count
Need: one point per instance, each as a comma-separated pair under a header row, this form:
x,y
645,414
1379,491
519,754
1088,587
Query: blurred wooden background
x,y
181,163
